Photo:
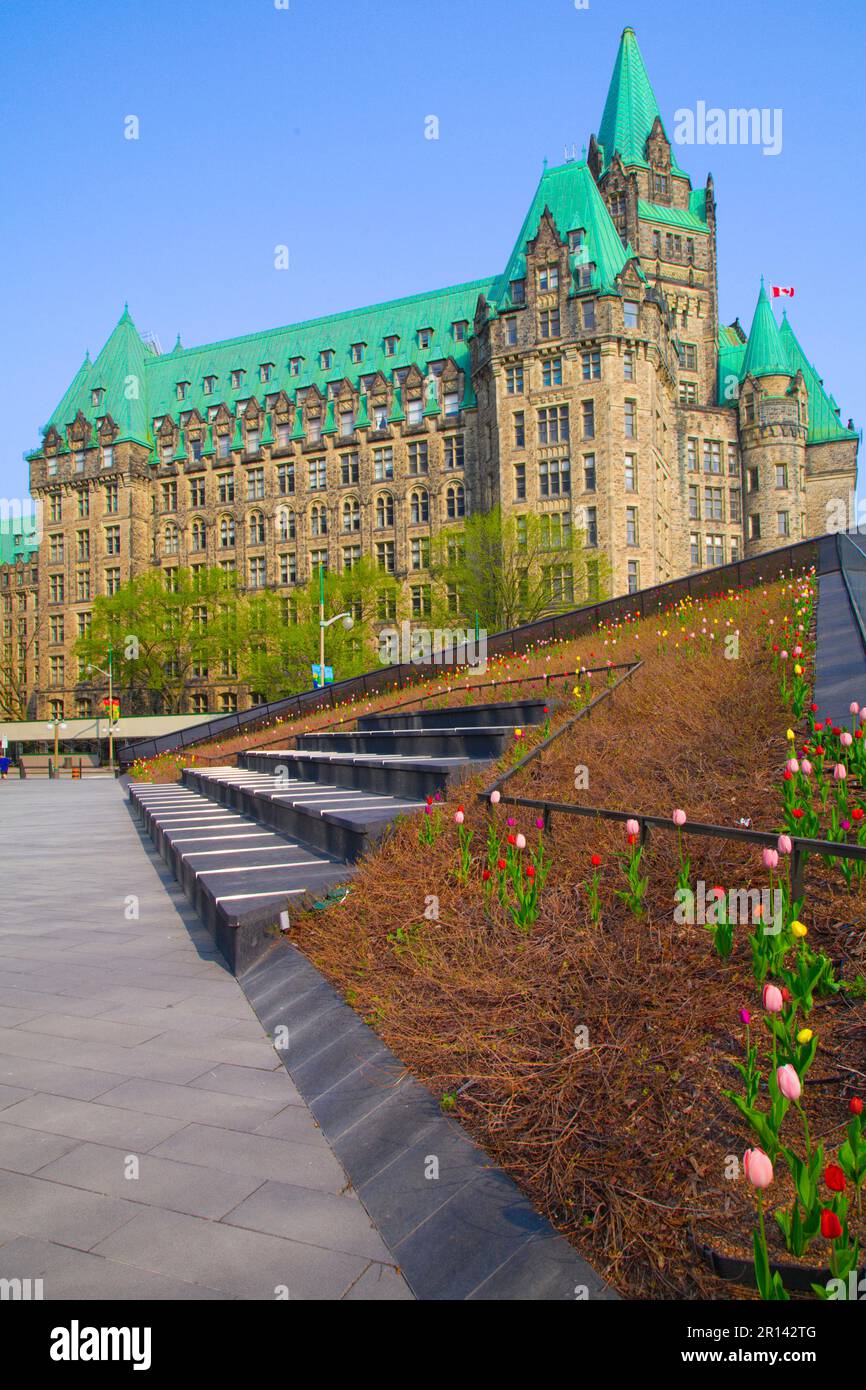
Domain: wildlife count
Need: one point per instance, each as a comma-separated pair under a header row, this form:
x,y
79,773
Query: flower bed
x,y
584,1029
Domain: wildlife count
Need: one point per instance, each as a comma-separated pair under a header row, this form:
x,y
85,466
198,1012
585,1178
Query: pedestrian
x,y
4,766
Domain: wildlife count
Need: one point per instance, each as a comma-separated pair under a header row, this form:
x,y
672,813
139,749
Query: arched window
x,y
419,507
227,532
256,527
199,534
351,514
455,501
318,520
286,524
384,510
170,539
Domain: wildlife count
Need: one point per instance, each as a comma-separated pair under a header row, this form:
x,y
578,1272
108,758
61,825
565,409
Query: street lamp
x,y
110,674
56,725
348,624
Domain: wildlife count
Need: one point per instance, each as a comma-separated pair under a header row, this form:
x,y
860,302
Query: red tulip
x,y
485,874
500,864
834,1177
831,1226
855,1105
595,861
530,872
797,812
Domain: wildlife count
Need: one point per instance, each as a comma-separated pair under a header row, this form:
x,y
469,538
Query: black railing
x,y
821,552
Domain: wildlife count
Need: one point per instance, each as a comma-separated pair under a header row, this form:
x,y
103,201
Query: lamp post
x,y
56,725
348,623
110,674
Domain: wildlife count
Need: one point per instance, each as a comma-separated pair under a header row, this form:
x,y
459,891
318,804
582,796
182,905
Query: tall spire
x,y
630,109
765,352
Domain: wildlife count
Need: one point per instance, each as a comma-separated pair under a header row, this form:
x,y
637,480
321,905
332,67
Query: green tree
x,y
514,569
159,634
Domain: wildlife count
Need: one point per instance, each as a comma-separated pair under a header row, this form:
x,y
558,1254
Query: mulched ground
x,y
622,1143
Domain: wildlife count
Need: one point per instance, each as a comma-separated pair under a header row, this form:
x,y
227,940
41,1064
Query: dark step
x,y
239,876
414,779
504,712
339,820
460,742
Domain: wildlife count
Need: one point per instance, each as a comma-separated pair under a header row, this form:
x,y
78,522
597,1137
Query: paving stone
x,y
62,1214
246,1264
161,1182
83,1119
244,1081
186,1103
305,1165
27,1150
318,1218
74,1274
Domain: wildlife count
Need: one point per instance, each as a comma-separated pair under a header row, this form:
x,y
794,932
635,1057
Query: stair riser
x,y
518,713
343,842
475,744
407,782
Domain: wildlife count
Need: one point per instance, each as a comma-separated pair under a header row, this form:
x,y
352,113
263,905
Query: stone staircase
x,y
247,841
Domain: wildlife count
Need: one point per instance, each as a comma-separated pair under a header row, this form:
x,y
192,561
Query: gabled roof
x,y
571,195
824,423
141,385
765,352
630,109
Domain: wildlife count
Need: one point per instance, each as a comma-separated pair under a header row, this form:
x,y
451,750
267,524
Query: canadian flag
x,y
782,291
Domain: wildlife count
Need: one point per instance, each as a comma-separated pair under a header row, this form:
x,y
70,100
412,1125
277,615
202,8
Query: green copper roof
x,y
673,217
19,538
765,352
571,194
630,109
140,386
824,424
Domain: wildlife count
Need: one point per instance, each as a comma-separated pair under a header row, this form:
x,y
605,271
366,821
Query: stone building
x,y
19,629
589,383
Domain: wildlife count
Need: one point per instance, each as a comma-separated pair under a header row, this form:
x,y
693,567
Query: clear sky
x,y
305,126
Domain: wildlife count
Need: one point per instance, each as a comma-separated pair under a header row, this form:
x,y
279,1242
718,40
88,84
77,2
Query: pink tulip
x,y
510,820
770,858
679,818
759,1169
632,827
495,798
839,773
854,708
792,765
845,739
745,1017
789,1082
520,841
863,715
539,822
806,767
784,656
785,844
771,999
459,817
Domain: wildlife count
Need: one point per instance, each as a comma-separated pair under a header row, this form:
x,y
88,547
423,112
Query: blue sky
x,y
304,126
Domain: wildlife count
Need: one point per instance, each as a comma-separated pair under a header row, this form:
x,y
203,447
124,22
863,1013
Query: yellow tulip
x,y
804,1035
790,735
799,928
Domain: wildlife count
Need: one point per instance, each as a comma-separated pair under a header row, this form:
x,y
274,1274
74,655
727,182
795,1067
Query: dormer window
x,y
182,389
326,359
548,278
357,351
295,366
660,185
237,378
583,275
425,338
266,371
97,396
518,291
380,415
391,346
576,239
459,330
209,385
